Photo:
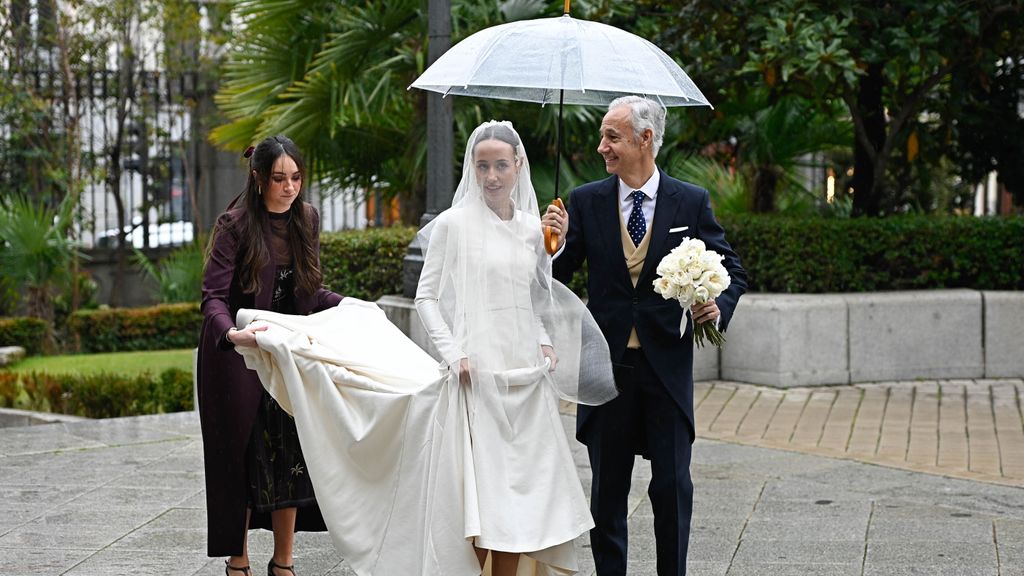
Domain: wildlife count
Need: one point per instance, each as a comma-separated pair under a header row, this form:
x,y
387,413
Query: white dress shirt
x,y
650,190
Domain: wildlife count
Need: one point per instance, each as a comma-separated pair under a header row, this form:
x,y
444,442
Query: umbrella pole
x,y
550,234
558,142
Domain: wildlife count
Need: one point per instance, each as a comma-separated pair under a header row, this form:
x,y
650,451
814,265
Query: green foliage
x,y
172,391
161,327
87,289
817,255
29,333
365,264
10,389
100,395
8,295
134,362
344,79
179,275
944,68
37,252
730,193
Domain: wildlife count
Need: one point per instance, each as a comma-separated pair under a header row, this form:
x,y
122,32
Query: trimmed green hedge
x,y
816,255
98,395
160,327
365,264
780,254
29,333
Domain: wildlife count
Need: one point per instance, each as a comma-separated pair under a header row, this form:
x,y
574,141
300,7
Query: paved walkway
x,y
962,428
125,496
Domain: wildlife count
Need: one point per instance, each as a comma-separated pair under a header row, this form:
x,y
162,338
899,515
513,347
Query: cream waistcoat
x,y
635,256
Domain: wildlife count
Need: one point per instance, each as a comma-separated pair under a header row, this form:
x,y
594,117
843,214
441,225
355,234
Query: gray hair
x,y
646,113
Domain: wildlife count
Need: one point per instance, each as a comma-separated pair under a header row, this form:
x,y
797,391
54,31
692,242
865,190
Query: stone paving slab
x,y
128,498
971,429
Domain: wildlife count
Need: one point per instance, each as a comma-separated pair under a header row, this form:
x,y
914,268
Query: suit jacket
x,y
594,236
229,393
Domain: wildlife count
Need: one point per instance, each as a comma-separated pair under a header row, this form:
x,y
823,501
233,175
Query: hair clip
x,y
248,151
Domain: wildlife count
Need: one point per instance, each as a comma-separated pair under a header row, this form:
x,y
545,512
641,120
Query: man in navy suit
x,y
623,226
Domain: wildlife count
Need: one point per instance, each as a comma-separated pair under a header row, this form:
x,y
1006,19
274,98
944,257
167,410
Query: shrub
x,y
87,290
160,327
8,295
8,389
29,333
179,275
100,395
815,255
365,264
172,391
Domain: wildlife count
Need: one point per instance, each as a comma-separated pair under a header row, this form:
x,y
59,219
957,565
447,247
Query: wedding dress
x,y
387,440
411,469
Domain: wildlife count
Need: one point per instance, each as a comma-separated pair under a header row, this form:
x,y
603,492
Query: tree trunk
x,y
125,98
38,304
766,180
867,186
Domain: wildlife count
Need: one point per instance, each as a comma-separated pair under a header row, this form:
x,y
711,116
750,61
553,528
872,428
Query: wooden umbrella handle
x,y
551,234
567,2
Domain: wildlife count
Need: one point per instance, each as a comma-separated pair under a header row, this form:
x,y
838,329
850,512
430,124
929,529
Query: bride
x,y
427,469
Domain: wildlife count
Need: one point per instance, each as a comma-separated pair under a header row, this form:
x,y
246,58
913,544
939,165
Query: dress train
x,y
394,446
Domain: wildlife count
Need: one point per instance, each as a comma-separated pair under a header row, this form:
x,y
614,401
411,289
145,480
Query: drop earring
x,y
259,191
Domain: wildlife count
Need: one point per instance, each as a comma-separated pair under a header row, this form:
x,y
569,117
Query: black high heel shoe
x,y
272,565
245,570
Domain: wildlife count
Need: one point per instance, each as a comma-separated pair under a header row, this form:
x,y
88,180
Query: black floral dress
x,y
277,470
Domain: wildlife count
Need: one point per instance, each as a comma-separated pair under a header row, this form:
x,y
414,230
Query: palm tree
x,y
335,80
759,170
775,137
37,252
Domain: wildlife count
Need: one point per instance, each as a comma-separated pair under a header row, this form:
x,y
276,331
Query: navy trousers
x,y
642,419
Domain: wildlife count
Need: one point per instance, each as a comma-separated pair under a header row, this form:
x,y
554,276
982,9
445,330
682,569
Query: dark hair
x,y
499,132
253,254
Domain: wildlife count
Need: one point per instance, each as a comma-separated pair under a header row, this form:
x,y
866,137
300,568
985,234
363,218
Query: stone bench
x,y
786,340
11,354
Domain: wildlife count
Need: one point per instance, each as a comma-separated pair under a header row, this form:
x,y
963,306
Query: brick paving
x,y
971,429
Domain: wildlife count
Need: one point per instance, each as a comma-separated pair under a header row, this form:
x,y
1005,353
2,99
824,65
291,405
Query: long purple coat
x,y
229,393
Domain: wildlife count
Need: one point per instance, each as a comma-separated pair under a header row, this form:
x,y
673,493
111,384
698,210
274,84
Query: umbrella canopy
x,y
557,60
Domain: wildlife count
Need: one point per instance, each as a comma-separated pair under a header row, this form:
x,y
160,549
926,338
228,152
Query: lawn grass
x,y
155,362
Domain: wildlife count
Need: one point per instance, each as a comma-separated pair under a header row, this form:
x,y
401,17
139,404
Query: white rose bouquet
x,y
692,274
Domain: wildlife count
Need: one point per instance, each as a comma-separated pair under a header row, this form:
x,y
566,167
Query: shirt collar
x,y
650,188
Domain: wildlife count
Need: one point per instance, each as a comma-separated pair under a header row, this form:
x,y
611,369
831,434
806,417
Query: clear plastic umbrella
x,y
561,60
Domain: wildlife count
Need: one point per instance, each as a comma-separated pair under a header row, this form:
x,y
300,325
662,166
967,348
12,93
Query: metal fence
x,y
156,147
149,159
138,150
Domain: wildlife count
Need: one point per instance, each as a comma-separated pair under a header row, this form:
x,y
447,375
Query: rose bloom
x,y
701,295
692,248
695,270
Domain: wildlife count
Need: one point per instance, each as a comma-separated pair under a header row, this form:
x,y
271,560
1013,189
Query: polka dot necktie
x,y
637,226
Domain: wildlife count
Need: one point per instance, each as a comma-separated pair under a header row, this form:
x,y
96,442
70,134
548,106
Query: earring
x,y
259,191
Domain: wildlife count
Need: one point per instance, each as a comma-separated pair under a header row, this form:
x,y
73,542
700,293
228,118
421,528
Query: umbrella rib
x,y
689,89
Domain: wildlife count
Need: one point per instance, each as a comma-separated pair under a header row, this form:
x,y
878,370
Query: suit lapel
x,y
608,214
664,214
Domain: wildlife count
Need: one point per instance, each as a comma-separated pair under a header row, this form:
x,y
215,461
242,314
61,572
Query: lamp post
x,y
440,140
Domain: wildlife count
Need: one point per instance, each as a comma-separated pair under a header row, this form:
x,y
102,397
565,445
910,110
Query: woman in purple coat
x,y
264,254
